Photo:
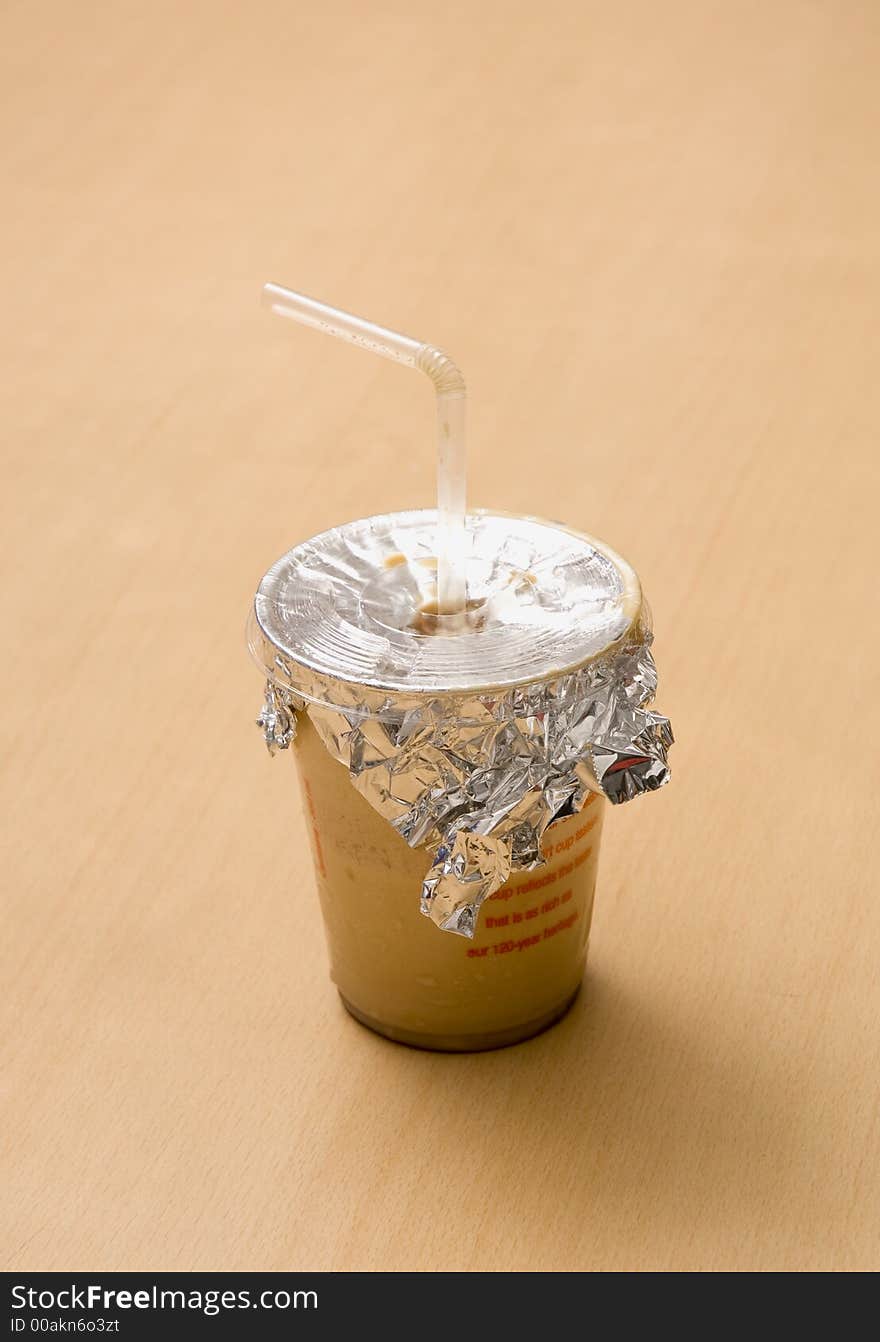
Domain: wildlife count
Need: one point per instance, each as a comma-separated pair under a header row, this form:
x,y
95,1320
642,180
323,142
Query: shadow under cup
x,y
401,975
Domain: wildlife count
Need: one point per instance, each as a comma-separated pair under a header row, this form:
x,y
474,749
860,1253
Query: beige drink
x,y
454,775
401,976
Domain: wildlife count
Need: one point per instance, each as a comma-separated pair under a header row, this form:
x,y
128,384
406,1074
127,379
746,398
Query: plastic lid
x,y
357,605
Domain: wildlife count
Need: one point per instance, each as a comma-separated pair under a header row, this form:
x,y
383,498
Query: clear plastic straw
x,y
451,399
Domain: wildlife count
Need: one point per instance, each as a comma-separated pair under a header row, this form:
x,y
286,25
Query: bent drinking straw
x,y
449,386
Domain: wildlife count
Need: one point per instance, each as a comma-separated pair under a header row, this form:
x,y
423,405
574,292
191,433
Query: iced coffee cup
x,y
462,693
454,770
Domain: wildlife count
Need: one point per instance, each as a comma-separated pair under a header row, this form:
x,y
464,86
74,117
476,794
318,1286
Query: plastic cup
x,y
401,976
541,701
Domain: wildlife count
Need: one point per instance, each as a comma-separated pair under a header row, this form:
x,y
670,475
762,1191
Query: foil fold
x,y
277,717
477,781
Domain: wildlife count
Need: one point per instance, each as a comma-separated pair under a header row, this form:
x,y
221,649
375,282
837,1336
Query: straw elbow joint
x,y
443,371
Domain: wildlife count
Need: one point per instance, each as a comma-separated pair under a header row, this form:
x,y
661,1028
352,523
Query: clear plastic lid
x,y
356,607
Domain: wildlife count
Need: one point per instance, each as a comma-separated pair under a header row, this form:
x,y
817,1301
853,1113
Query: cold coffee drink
x,y
454,777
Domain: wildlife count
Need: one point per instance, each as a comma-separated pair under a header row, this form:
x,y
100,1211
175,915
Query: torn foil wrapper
x,y
477,781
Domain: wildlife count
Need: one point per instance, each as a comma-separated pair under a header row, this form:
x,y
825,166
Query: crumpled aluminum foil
x,y
477,781
278,717
468,742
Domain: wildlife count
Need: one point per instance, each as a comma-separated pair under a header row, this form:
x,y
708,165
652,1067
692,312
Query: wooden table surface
x,y
649,234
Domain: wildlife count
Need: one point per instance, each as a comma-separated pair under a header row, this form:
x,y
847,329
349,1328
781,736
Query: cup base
x,y
463,1043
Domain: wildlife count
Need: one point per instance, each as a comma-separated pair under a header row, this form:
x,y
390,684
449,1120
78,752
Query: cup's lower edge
x,y
463,1043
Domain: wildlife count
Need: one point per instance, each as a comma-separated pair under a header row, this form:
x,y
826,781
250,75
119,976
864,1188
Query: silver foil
x,y
278,717
477,781
468,741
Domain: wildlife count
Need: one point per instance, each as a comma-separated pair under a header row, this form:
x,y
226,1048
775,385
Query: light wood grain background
x,y
649,234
